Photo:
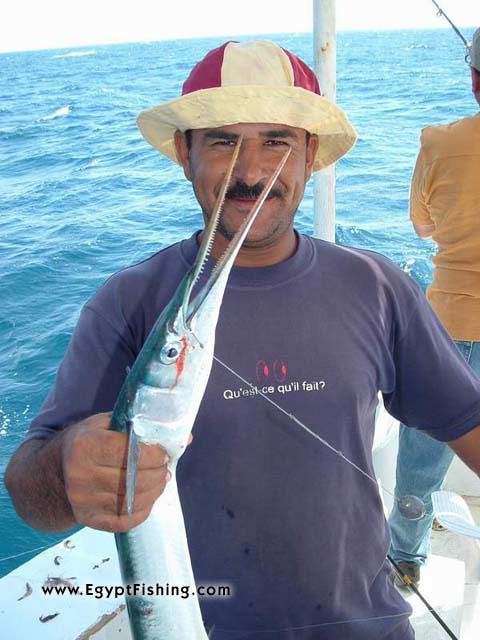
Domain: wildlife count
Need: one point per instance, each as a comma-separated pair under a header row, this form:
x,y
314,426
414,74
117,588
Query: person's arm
x,y
419,210
467,448
432,388
78,477
71,470
34,481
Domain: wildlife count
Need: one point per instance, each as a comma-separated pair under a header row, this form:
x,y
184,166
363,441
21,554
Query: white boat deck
x,y
450,581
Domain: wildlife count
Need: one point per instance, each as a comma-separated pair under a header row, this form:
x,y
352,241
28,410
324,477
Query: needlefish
x,y
157,405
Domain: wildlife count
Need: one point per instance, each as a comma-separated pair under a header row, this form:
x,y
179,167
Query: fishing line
x,y
467,44
23,553
409,506
307,627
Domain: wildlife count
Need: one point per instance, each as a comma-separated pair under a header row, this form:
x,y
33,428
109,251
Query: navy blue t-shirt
x,y
298,532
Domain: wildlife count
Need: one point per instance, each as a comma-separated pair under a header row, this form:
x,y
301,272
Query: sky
x,y
50,24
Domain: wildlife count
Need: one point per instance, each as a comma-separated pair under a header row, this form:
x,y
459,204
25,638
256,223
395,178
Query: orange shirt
x,y
445,193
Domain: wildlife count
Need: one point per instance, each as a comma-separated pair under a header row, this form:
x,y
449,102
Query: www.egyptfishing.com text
x,y
138,589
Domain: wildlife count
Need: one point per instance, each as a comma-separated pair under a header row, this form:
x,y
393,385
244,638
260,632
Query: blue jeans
x,y
422,464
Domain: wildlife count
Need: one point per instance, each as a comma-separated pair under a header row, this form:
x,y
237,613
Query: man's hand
x,y
78,477
93,461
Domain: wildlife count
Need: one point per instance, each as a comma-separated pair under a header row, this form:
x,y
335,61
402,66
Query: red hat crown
x,y
207,74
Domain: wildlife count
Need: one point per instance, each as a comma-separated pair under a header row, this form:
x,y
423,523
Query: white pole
x,y
325,65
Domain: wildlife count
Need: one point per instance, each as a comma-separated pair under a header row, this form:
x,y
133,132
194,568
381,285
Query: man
x,y
298,532
444,205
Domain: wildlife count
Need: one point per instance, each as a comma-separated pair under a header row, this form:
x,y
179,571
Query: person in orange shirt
x,y
444,205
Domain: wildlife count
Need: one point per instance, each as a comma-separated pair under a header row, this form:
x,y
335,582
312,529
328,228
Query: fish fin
x,y
132,467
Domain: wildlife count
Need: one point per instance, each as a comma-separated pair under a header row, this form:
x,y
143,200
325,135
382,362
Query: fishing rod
x,y
410,506
467,44
409,582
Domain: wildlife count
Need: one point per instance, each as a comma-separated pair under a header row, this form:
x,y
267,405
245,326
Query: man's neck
x,y
258,256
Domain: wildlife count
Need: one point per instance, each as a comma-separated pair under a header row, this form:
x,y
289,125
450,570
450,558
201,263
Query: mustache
x,y
251,192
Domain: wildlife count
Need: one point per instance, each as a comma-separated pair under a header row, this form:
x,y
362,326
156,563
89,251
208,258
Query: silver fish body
x,y
158,404
162,411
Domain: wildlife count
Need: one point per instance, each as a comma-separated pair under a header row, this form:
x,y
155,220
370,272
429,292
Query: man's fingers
x,y
111,480
114,524
114,505
91,442
152,456
110,449
142,501
99,420
108,511
106,449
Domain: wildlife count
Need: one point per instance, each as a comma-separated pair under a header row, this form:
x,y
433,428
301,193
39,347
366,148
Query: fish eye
x,y
170,352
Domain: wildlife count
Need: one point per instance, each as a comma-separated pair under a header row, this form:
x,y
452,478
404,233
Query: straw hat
x,y
251,82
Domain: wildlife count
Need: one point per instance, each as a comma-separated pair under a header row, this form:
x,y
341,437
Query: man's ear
x,y
312,148
475,81
183,153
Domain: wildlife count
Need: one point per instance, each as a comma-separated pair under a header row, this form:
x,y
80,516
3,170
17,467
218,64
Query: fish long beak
x,y
185,308
226,261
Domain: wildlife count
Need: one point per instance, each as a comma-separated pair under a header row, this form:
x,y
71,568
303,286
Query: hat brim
x,y
220,106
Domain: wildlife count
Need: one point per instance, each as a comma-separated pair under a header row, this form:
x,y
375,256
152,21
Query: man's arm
x,y
467,448
419,209
78,477
34,481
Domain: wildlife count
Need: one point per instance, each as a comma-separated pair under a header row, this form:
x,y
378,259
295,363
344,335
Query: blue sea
x,y
83,195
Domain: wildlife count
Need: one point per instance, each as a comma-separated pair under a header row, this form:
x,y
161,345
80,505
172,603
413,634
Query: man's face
x,y
205,165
